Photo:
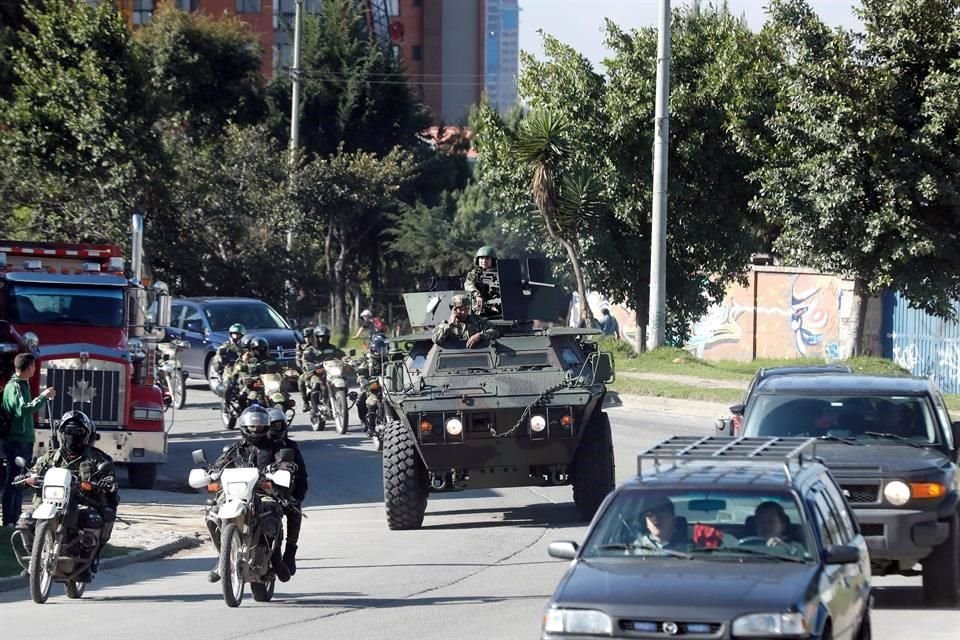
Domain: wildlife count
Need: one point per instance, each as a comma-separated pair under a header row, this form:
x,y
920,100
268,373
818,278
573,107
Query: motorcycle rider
x,y
278,432
76,434
230,351
464,325
254,449
316,351
370,369
483,282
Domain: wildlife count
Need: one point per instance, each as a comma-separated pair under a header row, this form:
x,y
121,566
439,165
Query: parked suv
x,y
718,538
891,445
203,322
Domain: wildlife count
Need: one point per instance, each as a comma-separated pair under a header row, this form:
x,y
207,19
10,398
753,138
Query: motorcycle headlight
x,y
454,426
334,371
538,423
770,624
580,621
54,493
897,493
237,490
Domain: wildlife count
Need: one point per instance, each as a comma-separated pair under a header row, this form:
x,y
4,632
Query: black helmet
x,y
260,347
378,344
322,333
245,341
75,431
254,424
278,423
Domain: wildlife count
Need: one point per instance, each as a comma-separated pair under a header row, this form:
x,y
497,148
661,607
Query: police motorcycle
x,y
338,400
60,539
171,378
248,510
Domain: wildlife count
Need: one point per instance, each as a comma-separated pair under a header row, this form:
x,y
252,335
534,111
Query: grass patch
x,y
667,389
9,566
672,361
953,405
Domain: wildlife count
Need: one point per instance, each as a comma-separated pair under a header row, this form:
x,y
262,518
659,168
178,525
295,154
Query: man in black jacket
x,y
278,432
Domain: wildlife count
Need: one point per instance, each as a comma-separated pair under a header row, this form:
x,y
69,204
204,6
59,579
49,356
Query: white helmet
x,y
366,313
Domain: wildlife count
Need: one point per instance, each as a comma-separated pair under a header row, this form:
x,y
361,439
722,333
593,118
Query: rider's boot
x,y
290,558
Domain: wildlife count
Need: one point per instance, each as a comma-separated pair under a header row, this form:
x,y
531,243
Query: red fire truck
x,y
93,327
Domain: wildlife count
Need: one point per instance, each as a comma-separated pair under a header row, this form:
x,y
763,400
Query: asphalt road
x,y
477,569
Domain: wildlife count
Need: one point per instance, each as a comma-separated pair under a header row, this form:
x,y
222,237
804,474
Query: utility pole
x,y
294,126
661,136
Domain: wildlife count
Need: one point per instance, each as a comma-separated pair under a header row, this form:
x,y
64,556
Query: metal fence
x,y
921,343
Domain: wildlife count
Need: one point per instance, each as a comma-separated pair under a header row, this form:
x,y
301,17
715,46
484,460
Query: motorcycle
x,y
338,400
64,532
249,510
375,419
171,378
320,410
235,396
275,392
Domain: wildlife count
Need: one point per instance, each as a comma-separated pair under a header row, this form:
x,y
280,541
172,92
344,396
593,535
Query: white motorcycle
x,y
250,514
338,398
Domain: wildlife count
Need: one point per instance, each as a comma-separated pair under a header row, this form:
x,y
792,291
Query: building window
x,y
416,52
187,5
142,11
248,6
393,7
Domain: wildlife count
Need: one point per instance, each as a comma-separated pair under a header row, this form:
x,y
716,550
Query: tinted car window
x,y
192,320
842,416
176,315
841,511
251,315
834,528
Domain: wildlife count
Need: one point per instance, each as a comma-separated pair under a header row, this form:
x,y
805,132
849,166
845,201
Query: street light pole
x,y
294,126
661,134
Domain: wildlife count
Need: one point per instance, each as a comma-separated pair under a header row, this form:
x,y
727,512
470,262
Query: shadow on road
x,y
897,598
556,516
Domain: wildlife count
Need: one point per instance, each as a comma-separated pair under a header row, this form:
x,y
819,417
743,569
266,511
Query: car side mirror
x,y
285,455
352,352
604,369
737,409
563,550
199,457
841,554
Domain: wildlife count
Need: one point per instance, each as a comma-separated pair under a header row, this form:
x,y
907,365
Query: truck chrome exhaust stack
x,y
136,243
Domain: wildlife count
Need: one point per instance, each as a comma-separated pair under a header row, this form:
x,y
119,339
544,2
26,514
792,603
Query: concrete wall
x,y
461,58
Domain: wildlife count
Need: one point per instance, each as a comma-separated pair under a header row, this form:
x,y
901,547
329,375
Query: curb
x,y
143,555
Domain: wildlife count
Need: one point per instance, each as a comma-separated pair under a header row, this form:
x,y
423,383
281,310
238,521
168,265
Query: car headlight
x,y
538,423
54,493
582,621
334,371
897,493
237,490
454,426
770,624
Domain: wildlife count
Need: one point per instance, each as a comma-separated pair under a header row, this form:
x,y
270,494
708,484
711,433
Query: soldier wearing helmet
x,y
463,325
278,432
312,356
370,369
76,434
230,351
483,282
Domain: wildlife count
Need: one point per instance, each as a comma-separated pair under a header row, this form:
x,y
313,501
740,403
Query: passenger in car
x,y
771,523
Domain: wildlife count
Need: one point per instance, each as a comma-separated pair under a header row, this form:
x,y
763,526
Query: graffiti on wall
x,y
923,344
778,315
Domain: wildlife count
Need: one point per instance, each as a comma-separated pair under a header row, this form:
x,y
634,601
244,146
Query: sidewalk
x,y
697,381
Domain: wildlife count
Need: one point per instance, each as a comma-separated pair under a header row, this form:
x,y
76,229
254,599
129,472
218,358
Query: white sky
x,y
579,23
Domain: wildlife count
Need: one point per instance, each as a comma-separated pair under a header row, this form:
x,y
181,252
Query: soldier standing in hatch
x,y
464,325
483,281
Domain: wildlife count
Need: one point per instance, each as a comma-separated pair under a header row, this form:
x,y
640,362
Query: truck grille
x,y
670,629
861,493
284,355
95,387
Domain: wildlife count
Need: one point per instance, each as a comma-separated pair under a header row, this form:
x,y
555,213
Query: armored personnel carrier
x,y
524,409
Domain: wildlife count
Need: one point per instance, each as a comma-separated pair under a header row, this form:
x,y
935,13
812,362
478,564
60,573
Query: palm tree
x,y
569,205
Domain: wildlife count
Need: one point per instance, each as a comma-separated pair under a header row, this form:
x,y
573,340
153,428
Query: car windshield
x,y
714,525
88,306
874,419
252,316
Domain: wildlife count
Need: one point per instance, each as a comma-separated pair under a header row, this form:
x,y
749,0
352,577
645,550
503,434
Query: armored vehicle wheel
x,y
75,589
941,570
263,591
592,472
142,475
42,562
404,479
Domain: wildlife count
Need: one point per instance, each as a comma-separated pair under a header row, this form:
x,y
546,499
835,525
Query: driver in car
x,y
662,528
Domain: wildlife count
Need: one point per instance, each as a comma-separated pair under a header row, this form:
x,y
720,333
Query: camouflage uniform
x,y
227,356
462,330
482,285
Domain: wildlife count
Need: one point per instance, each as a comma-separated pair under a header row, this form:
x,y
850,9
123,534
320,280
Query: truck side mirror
x,y
604,368
199,457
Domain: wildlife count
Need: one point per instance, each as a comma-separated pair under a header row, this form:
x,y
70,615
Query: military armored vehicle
x,y
524,409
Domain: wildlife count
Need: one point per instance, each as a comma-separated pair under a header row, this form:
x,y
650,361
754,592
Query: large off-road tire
x,y
178,388
341,414
263,591
42,565
75,589
941,570
592,472
229,567
404,479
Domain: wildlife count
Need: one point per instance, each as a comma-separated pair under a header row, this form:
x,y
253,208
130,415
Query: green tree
x,y
11,21
861,168
203,72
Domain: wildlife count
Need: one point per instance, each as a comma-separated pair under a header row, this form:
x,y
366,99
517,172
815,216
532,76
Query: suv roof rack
x,y
678,449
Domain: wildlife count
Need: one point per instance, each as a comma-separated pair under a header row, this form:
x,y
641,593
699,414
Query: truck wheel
x,y
592,471
404,479
941,570
142,475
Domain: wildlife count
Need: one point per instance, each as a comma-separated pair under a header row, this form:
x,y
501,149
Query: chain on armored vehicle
x,y
523,409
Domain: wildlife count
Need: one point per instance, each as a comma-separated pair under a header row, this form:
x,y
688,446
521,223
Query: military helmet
x,y
459,300
278,423
322,331
245,341
260,347
378,344
486,252
236,327
254,424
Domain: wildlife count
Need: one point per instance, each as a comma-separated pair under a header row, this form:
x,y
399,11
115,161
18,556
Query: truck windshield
x,y
88,306
251,316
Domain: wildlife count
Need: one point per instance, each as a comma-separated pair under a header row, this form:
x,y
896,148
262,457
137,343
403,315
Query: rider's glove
x,y
107,484
287,466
